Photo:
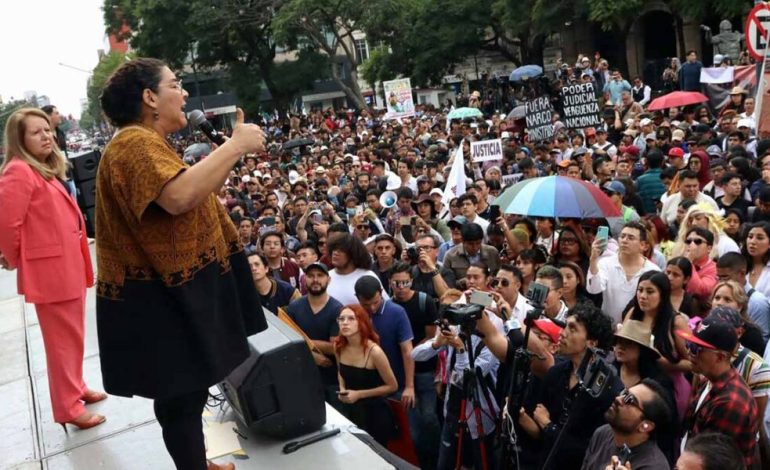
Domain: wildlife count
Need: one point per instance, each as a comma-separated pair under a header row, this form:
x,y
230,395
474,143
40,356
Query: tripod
x,y
473,386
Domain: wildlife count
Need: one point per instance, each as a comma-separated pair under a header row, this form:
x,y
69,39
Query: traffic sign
x,y
757,26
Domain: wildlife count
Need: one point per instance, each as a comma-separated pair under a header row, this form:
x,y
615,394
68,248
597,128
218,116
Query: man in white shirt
x,y
507,283
688,189
616,277
351,262
641,92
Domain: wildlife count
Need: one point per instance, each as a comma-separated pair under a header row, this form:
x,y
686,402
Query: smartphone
x,y
494,213
603,233
625,453
405,220
342,393
482,298
407,233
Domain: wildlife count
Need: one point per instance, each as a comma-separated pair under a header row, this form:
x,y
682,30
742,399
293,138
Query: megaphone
x,y
388,199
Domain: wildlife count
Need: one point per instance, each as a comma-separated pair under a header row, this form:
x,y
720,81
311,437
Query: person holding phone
x,y
637,416
365,376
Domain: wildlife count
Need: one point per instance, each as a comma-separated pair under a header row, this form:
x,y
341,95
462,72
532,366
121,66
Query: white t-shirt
x,y
342,286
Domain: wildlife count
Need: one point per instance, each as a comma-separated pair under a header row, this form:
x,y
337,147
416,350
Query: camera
x,y
594,372
319,195
537,293
412,254
462,315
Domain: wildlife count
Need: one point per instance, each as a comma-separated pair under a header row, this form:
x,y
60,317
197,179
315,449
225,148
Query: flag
x,y
455,183
717,74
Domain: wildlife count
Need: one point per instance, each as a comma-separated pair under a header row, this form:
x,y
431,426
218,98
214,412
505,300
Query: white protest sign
x,y
486,150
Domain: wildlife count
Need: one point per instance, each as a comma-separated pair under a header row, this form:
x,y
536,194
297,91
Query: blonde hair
x,y
715,226
738,293
54,166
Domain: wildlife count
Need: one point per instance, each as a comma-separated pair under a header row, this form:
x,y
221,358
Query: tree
x,y
6,109
329,26
230,34
107,64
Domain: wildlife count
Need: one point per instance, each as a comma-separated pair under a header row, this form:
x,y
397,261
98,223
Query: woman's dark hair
x,y
580,290
533,255
483,267
353,247
744,168
660,227
765,226
581,243
261,257
121,98
683,264
664,321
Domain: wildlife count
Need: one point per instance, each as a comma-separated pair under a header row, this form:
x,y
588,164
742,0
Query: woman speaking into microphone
x,y
42,233
175,297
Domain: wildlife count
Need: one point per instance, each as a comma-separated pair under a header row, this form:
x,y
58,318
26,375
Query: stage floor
x,y
131,437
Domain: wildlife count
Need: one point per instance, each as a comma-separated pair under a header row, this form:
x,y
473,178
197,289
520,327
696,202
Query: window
x,y
362,50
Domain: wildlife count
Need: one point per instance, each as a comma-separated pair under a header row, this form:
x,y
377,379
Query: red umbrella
x,y
676,99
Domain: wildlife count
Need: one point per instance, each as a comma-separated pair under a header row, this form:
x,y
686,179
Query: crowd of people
x,y
350,233
349,229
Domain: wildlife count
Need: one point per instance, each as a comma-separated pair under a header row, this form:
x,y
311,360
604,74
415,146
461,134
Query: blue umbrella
x,y
525,72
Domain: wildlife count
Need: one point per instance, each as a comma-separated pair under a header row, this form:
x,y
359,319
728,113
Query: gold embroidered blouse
x,y
135,237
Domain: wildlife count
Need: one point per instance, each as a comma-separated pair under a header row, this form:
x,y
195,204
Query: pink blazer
x,y
42,233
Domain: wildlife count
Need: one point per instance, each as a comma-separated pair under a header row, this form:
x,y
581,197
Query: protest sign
x,y
398,98
486,150
538,116
581,109
510,180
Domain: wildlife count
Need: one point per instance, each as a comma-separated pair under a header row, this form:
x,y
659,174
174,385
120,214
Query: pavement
x,y
131,437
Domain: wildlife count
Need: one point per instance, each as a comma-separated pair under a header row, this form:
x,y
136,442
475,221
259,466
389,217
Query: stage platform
x,y
131,437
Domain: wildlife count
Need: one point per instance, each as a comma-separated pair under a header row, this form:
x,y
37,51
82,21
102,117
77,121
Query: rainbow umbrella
x,y
556,196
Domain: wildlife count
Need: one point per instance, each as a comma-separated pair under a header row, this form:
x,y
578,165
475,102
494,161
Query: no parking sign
x,y
757,25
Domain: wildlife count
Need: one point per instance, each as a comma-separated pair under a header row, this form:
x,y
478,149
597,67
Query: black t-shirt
x,y
419,319
740,204
321,326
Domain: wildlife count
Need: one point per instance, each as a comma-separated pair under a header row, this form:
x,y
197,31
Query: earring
x,y
156,115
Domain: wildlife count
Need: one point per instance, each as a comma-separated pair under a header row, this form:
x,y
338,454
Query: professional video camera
x,y
462,315
594,372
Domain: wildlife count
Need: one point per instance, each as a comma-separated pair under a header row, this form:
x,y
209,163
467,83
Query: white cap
x,y
246,178
257,174
394,182
293,176
320,169
645,122
437,191
505,135
745,123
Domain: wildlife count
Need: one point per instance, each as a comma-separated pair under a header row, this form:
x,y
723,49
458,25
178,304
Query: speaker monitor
x,y
277,391
84,166
86,193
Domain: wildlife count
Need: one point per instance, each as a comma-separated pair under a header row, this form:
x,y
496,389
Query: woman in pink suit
x,y
42,234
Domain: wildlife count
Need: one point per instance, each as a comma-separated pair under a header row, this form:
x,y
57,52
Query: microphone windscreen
x,y
197,117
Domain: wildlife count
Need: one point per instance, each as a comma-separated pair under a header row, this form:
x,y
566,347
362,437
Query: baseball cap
x,y
631,150
676,152
728,315
745,123
505,135
579,151
714,150
712,333
677,135
437,191
318,266
564,163
650,136
645,122
458,221
615,186
549,328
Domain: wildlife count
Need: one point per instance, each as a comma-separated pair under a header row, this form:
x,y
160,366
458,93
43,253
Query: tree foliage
x,y
108,63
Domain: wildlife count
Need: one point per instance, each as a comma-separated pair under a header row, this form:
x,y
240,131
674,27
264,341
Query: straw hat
x,y
639,333
737,91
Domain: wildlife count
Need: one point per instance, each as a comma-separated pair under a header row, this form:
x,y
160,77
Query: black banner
x,y
538,114
581,109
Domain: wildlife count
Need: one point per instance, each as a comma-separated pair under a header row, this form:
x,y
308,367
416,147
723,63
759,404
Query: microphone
x,y
198,119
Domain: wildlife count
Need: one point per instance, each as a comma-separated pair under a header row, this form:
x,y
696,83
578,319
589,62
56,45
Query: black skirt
x,y
160,342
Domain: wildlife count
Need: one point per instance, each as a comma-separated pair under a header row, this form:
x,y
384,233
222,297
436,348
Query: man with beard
x,y
634,419
316,314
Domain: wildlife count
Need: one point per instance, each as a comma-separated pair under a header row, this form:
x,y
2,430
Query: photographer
x,y
448,338
429,275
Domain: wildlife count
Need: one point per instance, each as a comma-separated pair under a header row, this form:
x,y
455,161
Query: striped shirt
x,y
753,370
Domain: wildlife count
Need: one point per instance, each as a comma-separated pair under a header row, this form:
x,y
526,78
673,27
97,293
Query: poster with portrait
x,y
398,98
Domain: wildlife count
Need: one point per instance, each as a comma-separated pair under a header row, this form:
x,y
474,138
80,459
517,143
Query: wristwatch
x,y
434,272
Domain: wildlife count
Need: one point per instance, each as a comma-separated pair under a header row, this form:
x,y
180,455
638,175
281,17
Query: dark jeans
x,y
180,420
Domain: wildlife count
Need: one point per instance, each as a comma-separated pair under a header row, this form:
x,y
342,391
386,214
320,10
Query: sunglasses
x,y
362,227
501,282
630,399
697,241
401,284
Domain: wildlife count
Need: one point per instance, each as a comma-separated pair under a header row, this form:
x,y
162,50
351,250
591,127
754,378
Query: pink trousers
x,y
63,327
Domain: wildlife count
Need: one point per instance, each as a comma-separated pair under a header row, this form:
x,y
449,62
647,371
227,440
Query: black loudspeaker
x,y
84,166
277,391
86,194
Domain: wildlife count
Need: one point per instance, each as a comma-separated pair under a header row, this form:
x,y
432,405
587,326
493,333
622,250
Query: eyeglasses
x,y
697,241
568,241
346,318
425,247
502,282
401,284
630,399
362,227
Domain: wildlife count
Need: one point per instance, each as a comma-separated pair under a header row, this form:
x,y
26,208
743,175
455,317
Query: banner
x,y
486,150
581,109
398,98
717,74
538,116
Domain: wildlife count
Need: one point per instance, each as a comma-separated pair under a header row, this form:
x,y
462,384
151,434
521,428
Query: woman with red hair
x,y
365,375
